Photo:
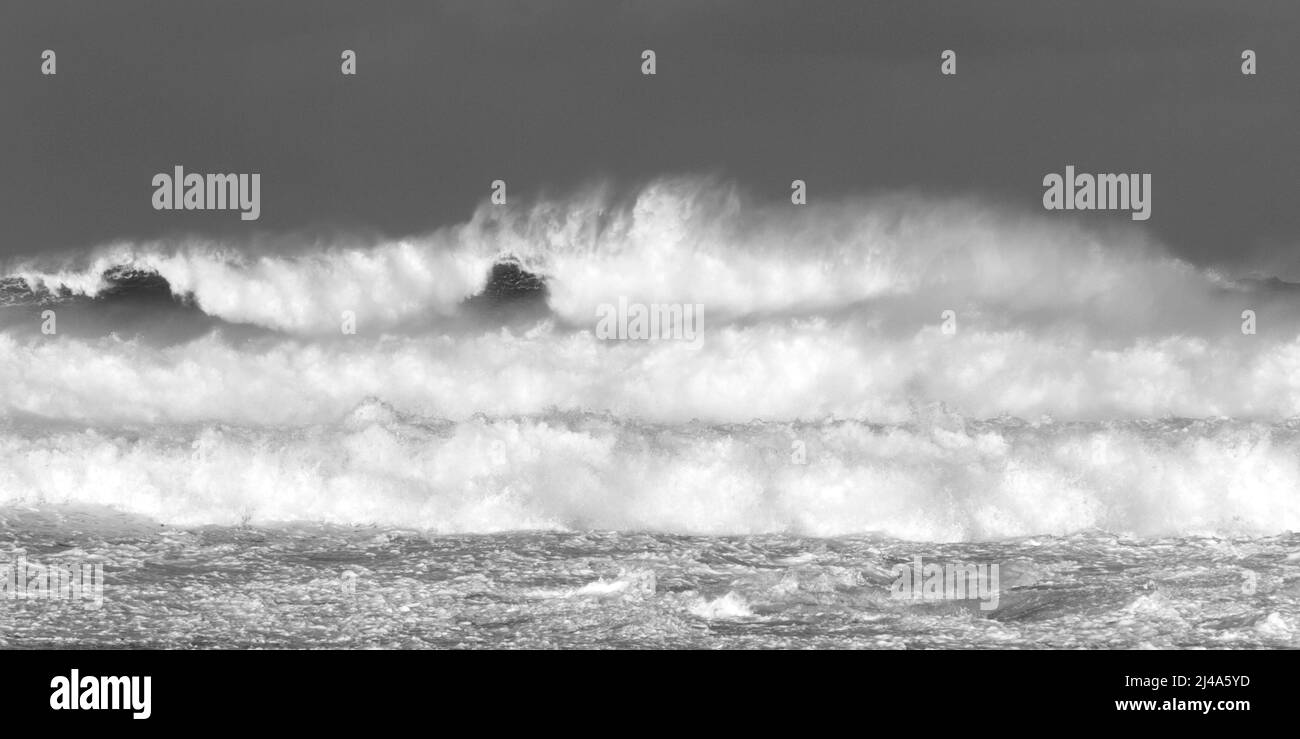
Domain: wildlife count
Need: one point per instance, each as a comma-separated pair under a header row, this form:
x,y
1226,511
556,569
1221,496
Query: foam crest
x,y
801,370
950,480
696,240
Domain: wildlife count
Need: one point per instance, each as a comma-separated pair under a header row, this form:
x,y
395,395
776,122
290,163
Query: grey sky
x,y
548,95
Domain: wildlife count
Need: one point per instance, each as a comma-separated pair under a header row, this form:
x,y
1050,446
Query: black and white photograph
x,y
706,325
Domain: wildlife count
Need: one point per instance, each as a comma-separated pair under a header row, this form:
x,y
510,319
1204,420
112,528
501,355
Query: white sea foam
x,y
822,344
304,292
723,607
940,479
694,240
781,371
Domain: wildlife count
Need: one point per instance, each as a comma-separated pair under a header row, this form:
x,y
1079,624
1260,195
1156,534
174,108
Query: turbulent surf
x,y
871,374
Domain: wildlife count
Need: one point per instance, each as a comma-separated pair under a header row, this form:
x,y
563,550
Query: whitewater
x,y
475,467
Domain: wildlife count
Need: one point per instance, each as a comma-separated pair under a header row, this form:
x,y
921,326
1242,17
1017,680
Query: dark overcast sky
x,y
547,95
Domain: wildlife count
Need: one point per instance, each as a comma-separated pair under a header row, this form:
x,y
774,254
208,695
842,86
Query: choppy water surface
x,y
328,586
869,372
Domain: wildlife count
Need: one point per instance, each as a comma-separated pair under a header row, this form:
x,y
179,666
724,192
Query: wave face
x,y
830,392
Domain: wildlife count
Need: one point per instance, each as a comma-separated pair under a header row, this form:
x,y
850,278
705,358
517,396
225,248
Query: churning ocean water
x,y
880,382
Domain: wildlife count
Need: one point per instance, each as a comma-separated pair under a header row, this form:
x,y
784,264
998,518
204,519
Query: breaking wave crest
x,y
894,259
823,327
